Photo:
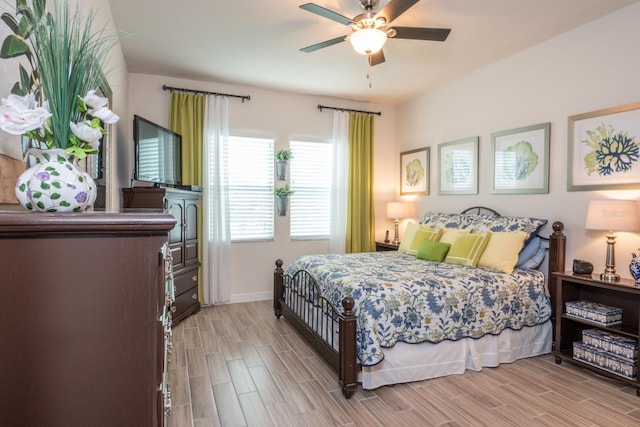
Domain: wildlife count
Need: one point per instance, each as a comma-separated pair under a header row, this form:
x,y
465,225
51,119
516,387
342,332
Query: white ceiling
x,y
257,42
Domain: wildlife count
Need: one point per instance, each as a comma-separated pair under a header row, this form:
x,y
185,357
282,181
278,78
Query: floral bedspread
x,y
401,298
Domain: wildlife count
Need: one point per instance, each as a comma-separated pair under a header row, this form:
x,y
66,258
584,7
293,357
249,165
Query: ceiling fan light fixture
x,y
368,40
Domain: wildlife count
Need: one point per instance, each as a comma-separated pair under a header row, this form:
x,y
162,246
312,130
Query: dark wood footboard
x,y
298,298
330,331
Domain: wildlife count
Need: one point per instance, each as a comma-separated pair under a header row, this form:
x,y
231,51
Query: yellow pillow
x,y
467,249
502,251
409,233
449,234
423,233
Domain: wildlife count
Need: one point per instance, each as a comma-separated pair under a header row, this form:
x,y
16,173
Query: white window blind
x,y
251,188
310,205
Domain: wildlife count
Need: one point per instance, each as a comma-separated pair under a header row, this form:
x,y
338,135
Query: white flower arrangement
x,y
23,116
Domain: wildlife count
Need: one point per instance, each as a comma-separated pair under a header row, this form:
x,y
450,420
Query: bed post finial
x,y
278,288
557,227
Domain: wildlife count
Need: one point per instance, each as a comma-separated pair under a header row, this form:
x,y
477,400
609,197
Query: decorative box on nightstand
x,y
381,247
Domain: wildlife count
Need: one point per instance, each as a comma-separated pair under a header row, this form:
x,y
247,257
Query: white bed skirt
x,y
415,362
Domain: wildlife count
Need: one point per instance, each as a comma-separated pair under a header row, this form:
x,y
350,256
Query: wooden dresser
x,y
183,238
85,319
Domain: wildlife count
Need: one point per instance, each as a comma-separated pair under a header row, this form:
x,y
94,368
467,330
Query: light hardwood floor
x,y
237,365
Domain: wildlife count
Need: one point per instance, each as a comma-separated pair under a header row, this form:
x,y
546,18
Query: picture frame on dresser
x,y
520,160
604,149
458,166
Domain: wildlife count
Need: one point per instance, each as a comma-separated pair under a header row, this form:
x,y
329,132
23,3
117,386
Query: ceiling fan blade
x,y
376,58
395,8
326,13
324,44
435,34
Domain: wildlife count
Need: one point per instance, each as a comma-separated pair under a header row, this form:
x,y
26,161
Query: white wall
x,y
281,116
587,69
117,76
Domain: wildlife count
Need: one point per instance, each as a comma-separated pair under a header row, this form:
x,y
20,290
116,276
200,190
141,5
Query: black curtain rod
x,y
320,107
206,92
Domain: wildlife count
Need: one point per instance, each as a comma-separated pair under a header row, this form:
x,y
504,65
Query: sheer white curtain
x,y
337,238
216,271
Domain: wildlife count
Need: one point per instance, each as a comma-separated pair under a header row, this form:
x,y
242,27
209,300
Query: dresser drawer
x,y
186,302
184,280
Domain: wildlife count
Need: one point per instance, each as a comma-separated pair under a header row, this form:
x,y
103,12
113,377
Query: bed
x,y
383,318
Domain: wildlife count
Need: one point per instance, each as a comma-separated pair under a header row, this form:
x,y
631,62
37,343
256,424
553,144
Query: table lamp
x,y
396,211
612,216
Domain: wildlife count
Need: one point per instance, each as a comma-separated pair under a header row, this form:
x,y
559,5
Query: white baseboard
x,y
250,297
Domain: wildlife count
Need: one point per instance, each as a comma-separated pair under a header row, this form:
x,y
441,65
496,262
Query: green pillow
x,y
422,234
467,249
433,251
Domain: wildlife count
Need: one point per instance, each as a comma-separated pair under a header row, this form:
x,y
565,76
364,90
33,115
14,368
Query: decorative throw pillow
x,y
467,249
433,251
446,220
449,235
501,253
481,223
535,261
407,239
423,233
529,250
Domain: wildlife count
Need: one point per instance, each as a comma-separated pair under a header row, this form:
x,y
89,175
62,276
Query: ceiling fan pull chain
x,y
370,73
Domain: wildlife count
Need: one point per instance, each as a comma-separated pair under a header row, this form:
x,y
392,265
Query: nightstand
x,y
569,329
382,247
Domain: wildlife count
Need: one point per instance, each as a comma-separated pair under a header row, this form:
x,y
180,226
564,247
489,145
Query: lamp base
x,y
396,239
609,277
609,274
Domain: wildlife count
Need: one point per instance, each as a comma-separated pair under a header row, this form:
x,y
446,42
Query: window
x,y
310,205
250,188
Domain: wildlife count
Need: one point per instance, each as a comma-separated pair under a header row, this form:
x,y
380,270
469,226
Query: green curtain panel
x,y
186,117
360,211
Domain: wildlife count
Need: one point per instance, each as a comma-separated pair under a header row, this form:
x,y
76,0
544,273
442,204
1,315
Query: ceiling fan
x,y
370,30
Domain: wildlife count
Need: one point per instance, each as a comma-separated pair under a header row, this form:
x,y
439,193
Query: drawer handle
x,y
194,278
194,296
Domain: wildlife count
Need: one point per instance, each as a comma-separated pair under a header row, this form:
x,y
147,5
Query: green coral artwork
x,y
525,158
415,172
612,152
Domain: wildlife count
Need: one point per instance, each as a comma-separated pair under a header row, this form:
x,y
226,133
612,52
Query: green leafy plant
x,y
284,191
283,154
55,103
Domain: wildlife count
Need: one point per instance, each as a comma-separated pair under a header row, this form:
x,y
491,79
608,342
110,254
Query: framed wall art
x,y
520,159
414,172
604,149
458,166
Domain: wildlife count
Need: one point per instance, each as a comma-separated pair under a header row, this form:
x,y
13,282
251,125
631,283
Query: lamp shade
x,y
397,210
368,40
613,215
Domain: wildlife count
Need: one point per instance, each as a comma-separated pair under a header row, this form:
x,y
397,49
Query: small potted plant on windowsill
x,y
282,163
282,198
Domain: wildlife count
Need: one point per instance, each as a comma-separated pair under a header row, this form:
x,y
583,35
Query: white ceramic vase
x,y
55,184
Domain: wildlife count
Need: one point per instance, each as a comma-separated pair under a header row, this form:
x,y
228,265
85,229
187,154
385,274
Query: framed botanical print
x,y
414,172
604,149
458,166
520,159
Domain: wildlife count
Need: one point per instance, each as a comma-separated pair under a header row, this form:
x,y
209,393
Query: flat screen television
x,y
157,153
